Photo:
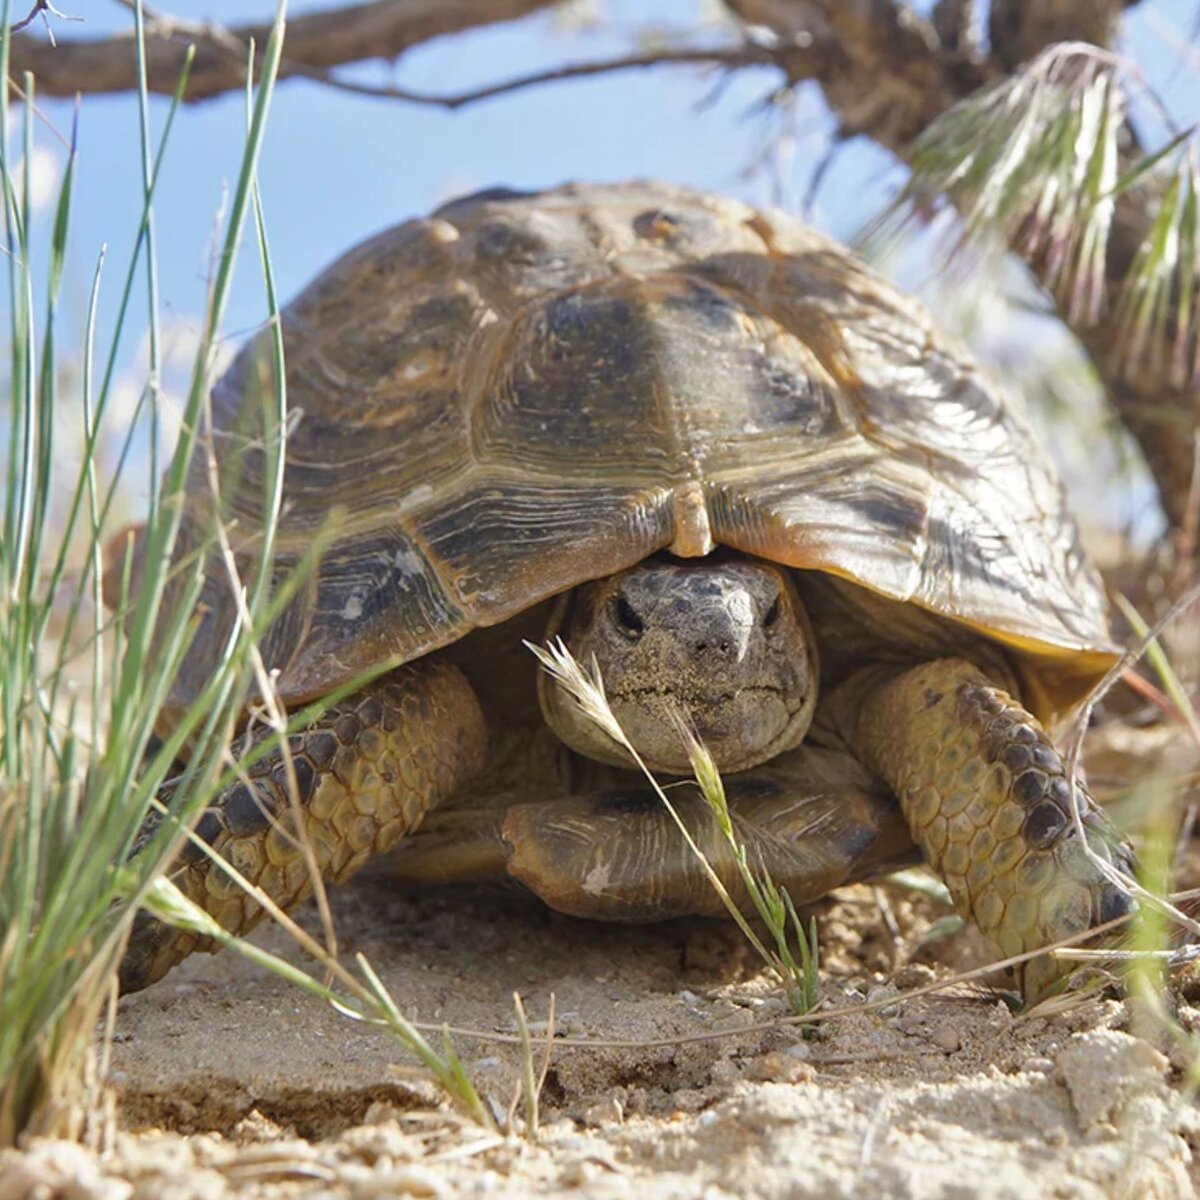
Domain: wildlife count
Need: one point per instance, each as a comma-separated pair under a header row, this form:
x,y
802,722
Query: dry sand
x,y
234,1084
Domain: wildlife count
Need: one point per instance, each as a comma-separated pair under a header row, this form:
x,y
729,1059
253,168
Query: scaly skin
x,y
367,772
988,800
617,854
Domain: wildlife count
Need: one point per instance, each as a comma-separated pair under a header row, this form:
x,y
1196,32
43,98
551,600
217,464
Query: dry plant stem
x,y
532,1081
1075,751
45,10
1174,957
1174,701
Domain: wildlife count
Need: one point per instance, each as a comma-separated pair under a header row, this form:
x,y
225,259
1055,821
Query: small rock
x,y
254,1127
385,1142
1037,1065
1104,1069
946,1037
725,1072
578,1174
880,993
604,1113
405,1181
914,975
781,1067
772,1068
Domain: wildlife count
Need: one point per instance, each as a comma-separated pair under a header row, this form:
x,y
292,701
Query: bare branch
x,y
45,10
954,22
883,68
1021,29
316,42
746,55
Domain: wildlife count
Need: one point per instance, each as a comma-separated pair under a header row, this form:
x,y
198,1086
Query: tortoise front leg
x,y
814,819
988,800
366,773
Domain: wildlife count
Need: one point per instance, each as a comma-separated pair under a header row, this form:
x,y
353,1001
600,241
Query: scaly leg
x,y
366,772
814,819
988,800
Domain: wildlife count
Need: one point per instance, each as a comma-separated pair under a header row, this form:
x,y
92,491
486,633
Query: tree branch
x,y
747,54
1021,29
316,42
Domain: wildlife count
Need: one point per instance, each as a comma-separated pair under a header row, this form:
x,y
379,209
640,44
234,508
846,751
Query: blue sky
x,y
336,168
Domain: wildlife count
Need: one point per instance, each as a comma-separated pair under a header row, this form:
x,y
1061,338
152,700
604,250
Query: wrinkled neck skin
x,y
723,643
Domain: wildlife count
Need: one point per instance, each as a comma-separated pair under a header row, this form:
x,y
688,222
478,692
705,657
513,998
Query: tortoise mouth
x,y
740,728
686,699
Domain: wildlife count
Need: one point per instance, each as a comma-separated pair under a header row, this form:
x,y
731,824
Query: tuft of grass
x,y
76,781
798,971
532,1079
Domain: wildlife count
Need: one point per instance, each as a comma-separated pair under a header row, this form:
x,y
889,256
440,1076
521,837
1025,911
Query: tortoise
x,y
711,450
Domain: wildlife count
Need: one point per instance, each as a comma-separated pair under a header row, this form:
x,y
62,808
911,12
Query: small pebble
x,y
604,1113
1037,1065
405,1181
724,1073
381,1142
578,1174
884,991
946,1036
915,975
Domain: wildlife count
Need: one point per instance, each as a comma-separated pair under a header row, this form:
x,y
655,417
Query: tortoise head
x,y
722,642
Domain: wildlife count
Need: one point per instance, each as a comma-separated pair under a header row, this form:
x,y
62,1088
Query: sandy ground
x,y
235,1084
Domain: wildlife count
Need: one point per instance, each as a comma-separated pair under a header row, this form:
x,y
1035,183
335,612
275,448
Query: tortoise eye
x,y
772,614
627,620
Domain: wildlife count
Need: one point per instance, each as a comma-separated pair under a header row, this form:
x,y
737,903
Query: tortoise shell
x,y
525,391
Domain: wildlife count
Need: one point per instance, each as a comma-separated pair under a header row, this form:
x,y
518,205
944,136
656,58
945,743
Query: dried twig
x,y
45,10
